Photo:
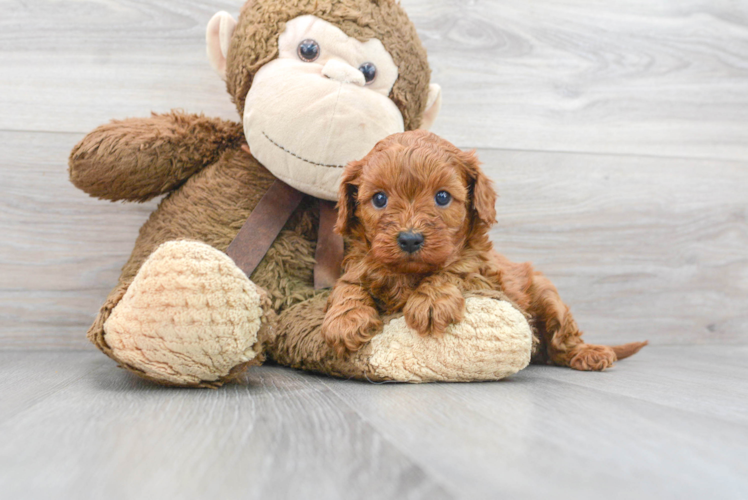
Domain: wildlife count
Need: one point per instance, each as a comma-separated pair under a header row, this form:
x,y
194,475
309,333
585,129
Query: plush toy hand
x,y
433,307
139,158
493,340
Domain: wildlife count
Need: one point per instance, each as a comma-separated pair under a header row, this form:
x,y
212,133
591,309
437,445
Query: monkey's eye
x,y
379,200
369,71
308,50
443,198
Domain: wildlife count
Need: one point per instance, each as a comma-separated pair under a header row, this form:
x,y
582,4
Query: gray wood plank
x,y
543,433
710,380
645,77
28,379
61,251
639,77
640,247
281,436
70,68
540,436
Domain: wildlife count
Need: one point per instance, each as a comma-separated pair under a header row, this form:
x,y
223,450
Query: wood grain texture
x,y
616,134
69,67
28,380
280,435
641,248
644,77
654,77
654,427
544,435
61,251
708,380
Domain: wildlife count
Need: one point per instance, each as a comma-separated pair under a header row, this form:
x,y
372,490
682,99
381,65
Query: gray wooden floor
x,y
617,134
671,423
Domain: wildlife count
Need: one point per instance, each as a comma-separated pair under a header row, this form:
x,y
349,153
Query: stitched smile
x,y
299,157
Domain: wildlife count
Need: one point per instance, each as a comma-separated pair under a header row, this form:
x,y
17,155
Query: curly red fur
x,y
456,255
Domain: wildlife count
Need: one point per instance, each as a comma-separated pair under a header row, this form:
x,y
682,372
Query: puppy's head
x,y
415,201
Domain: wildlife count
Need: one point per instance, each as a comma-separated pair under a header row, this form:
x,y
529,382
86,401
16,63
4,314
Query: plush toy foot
x,y
190,317
494,340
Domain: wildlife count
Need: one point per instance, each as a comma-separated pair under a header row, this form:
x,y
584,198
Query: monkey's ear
x,y
481,189
218,37
433,105
347,194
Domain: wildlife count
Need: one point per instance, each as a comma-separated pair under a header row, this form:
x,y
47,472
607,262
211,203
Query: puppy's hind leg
x,y
561,339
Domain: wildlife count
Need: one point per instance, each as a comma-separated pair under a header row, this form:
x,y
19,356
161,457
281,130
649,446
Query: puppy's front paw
x,y
347,330
432,315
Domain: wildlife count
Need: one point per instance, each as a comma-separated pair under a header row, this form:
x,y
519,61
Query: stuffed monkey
x,y
317,83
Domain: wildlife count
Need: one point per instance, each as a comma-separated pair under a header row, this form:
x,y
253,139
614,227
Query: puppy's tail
x,y
626,350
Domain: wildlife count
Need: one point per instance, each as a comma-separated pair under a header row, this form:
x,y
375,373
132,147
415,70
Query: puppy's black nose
x,y
410,241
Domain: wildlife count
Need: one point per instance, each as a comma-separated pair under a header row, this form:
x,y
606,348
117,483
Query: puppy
x,y
416,212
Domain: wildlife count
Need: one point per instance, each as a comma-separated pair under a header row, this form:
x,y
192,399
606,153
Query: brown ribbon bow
x,y
265,223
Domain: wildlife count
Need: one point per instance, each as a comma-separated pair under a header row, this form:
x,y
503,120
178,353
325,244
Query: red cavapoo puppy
x,y
416,212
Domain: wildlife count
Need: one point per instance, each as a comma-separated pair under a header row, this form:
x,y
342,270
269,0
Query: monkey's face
x,y
321,104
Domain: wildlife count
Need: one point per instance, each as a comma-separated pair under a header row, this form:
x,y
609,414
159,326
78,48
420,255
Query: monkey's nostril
x,y
410,241
343,73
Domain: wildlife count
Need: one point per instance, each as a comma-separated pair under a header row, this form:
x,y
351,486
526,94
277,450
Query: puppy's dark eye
x,y
308,50
379,200
443,198
369,71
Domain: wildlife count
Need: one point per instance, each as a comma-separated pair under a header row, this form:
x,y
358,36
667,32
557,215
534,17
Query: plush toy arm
x,y
139,158
494,340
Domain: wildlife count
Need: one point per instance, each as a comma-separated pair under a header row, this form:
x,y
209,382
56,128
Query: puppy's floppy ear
x,y
347,193
482,194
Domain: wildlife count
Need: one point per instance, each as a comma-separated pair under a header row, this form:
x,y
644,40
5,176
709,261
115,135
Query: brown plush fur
x,y
456,256
255,43
212,185
194,211
170,148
